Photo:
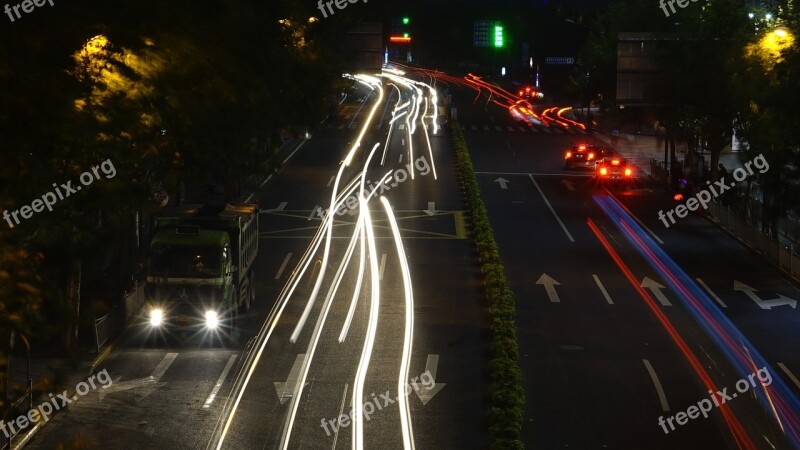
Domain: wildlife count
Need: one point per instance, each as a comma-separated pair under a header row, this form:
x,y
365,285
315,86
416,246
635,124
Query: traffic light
x,y
498,36
400,30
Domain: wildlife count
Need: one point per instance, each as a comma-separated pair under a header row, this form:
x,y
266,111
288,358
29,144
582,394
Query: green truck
x,y
200,267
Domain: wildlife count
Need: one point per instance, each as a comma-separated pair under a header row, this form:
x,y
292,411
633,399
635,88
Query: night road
x,y
555,224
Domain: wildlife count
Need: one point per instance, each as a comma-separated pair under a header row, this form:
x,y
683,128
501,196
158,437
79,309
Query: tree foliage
x,y
167,92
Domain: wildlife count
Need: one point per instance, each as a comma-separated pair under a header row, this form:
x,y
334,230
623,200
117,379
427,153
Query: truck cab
x,y
199,270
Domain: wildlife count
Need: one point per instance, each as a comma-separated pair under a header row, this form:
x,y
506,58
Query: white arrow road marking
x,y
790,375
283,266
150,382
503,182
431,211
280,207
661,396
221,380
602,289
547,202
711,293
655,288
285,390
568,184
383,266
431,366
763,304
549,287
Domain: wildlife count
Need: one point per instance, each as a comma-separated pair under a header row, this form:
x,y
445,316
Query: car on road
x,y
529,92
614,169
585,156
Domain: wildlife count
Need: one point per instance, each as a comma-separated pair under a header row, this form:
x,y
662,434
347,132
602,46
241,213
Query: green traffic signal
x,y
405,20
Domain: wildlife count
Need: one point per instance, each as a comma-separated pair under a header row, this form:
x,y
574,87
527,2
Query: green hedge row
x,y
507,396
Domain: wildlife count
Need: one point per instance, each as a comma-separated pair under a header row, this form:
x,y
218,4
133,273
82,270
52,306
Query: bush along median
x,y
507,397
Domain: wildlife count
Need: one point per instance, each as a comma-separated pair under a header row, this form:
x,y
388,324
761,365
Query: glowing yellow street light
x,y
769,49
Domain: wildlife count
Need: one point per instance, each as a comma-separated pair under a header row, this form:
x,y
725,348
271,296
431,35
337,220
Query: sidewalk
x,y
641,148
48,376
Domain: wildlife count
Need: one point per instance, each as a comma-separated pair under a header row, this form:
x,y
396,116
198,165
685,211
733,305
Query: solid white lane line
x,y
602,289
661,396
547,202
163,366
295,151
283,266
711,293
221,380
341,411
383,266
790,375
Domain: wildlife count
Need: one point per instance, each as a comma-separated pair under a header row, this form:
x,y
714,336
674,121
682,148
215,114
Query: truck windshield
x,y
185,262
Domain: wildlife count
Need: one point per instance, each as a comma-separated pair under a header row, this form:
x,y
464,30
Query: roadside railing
x,y
768,246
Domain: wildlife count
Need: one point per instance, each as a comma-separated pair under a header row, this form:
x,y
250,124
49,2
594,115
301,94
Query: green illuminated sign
x,y
498,36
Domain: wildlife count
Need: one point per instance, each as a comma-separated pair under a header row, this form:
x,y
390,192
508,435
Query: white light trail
x,y
366,354
408,336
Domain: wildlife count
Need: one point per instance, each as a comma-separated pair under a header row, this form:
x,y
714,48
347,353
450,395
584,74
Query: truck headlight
x,y
212,321
156,317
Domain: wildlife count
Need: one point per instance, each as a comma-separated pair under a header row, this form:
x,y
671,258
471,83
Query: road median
x,y
507,397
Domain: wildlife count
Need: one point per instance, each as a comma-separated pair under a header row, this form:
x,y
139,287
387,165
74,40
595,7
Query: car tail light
x,y
582,147
520,93
591,155
678,197
628,172
615,162
568,155
603,171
